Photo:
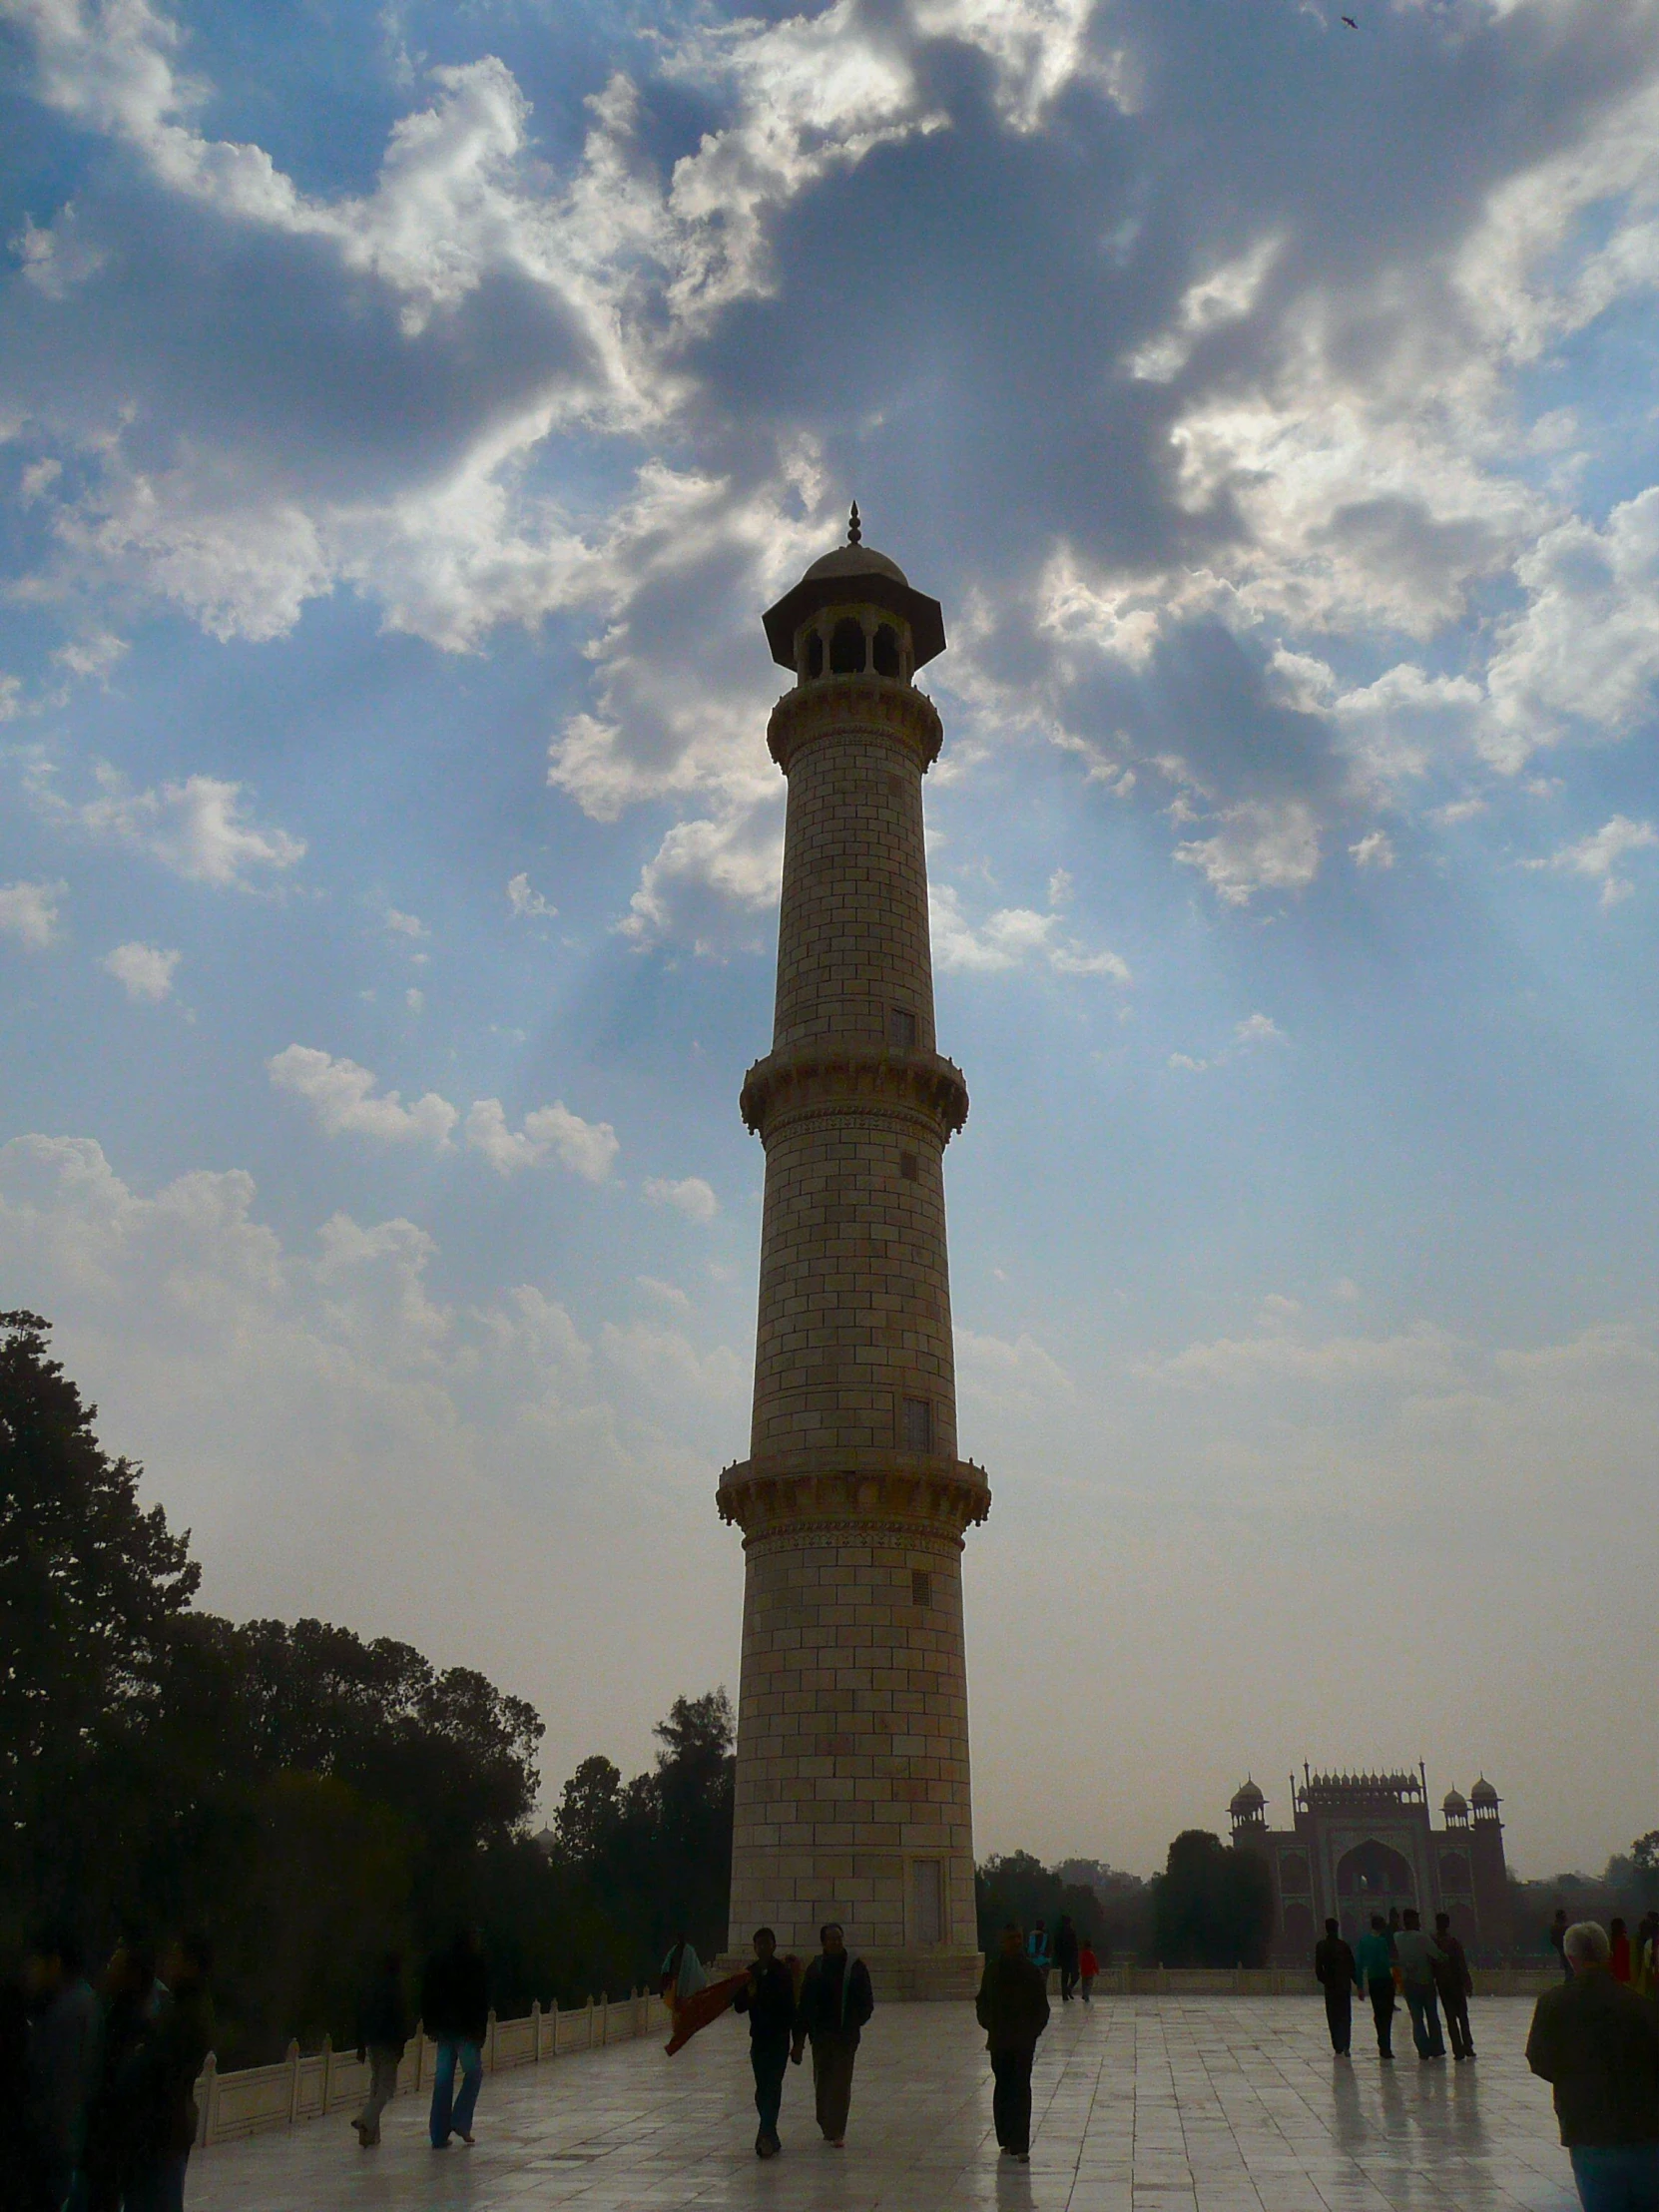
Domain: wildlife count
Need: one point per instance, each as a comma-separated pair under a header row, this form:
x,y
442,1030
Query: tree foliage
x,y
305,1795
1212,1906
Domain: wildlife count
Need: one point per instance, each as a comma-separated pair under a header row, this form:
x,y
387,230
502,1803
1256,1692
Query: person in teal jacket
x,y
1373,1962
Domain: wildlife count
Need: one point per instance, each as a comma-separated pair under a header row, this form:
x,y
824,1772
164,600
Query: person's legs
x,y
473,2080
1431,2019
999,2098
768,2061
833,2057
1416,2003
1087,1987
1457,2024
441,2124
382,2087
1618,2177
1339,2018
1382,2012
1017,2121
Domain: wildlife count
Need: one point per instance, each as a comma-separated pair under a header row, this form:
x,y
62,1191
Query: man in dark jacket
x,y
454,2012
170,2055
1065,1956
1456,1986
62,2067
836,2002
1013,2011
1597,2044
1338,1975
767,1997
383,2032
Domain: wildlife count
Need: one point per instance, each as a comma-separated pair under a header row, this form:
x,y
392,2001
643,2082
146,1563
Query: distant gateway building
x,y
1364,1844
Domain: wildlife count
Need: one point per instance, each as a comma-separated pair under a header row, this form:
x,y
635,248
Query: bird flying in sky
x,y
1348,20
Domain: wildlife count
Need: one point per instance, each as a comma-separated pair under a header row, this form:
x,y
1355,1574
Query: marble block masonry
x,y
853,1794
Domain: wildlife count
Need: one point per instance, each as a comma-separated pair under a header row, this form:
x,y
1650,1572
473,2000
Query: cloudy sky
x,y
405,412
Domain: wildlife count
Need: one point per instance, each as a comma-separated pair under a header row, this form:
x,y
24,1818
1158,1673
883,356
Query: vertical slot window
x,y
918,1424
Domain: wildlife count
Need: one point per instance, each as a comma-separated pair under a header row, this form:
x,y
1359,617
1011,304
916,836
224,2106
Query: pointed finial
x,y
854,528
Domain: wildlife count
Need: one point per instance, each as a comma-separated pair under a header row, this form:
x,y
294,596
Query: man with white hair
x,y
1597,2043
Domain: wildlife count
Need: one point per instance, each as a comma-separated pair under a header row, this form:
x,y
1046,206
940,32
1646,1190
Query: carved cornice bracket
x,y
845,706
775,1495
819,1078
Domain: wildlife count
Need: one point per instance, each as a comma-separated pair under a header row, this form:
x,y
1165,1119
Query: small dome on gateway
x,y
1454,1805
1483,1793
1246,1800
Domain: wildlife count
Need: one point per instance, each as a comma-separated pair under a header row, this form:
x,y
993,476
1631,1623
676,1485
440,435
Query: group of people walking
x,y
1072,1958
101,2076
827,2007
1398,1958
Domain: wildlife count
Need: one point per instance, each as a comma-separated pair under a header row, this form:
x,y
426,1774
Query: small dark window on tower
x,y
887,650
918,1424
815,655
908,1166
922,1586
847,648
902,1029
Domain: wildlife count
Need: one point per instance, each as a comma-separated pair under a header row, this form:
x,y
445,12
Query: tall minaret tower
x,y
852,1800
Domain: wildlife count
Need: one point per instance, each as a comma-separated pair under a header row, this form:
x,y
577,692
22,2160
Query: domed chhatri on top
x,y
1248,1802
854,576
1455,1805
1483,1797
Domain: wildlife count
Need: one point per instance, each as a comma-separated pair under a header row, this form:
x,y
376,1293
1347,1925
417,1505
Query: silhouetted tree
x,y
1212,1905
1016,1886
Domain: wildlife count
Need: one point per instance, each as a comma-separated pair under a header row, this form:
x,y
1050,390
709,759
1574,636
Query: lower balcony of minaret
x,y
882,1489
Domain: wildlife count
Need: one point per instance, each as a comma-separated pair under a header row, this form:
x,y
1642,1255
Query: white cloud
x,y
1000,1374
344,1097
528,904
668,1365
586,1148
1422,1357
691,1196
415,1000
29,913
1257,1029
144,971
1374,849
1599,854
1226,296
200,828
708,882
1259,847
1584,653
405,925
1008,938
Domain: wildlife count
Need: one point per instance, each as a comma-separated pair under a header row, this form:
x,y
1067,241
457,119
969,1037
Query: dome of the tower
x,y
1454,1806
856,560
1246,1803
850,574
1483,1795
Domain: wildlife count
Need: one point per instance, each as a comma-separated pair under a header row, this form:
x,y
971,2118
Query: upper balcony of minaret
x,y
853,632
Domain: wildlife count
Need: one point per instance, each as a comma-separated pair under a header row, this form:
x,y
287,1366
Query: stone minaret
x,y
852,1798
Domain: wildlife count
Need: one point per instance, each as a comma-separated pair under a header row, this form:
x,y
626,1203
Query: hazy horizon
x,y
405,413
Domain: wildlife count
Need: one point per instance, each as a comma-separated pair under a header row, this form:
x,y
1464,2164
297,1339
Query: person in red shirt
x,y
1088,1966
1618,1951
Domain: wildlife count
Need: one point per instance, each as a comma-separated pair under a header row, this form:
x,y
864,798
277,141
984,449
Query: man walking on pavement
x,y
454,2011
836,2002
1065,1956
1338,1976
1597,2044
1375,1966
767,1997
383,2032
1013,2011
1414,1956
1456,1986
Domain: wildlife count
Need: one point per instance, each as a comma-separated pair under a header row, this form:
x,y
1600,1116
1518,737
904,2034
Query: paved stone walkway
x,y
1183,2104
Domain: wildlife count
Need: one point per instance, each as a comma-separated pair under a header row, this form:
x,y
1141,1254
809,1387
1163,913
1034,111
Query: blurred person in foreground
x,y
1597,2044
382,2033
170,2050
61,2066
1013,2011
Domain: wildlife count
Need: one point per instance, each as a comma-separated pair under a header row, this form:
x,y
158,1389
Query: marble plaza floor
x,y
1217,2104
